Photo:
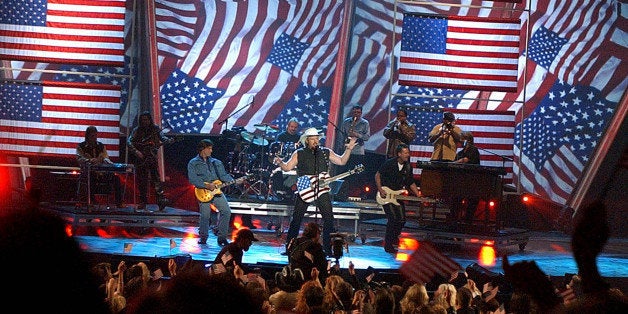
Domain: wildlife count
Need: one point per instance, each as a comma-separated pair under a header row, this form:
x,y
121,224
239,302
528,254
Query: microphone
x,y
355,119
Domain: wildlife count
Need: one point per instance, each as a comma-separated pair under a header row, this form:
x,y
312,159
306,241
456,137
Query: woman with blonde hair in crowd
x,y
445,295
415,296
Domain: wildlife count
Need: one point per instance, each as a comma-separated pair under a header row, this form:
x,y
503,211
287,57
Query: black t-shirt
x,y
392,177
286,137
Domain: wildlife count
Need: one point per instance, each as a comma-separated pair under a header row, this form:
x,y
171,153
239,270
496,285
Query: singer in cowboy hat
x,y
314,161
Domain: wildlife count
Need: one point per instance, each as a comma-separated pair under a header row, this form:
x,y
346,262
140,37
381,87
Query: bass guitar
x,y
205,195
308,185
393,196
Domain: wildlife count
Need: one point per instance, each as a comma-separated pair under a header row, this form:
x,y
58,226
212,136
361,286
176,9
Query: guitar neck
x,y
221,185
410,198
338,177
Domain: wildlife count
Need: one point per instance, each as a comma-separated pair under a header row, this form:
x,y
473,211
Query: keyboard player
x,y
92,153
469,154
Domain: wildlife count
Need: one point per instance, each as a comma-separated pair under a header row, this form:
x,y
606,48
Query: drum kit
x,y
253,156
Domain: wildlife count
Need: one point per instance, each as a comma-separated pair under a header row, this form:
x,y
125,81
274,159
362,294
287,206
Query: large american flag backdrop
x,y
459,52
50,118
64,31
240,63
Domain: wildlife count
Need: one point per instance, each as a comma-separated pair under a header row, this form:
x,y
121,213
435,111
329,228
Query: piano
x,y
453,181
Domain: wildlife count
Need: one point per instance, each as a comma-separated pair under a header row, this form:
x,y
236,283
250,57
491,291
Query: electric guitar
x,y
393,196
307,185
204,195
149,150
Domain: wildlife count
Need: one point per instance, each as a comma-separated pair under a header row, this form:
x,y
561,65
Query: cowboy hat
x,y
308,132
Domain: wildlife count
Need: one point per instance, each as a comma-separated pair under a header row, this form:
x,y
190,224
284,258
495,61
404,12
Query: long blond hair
x,y
415,296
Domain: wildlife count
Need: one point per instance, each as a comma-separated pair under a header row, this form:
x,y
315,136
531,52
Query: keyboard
x,y
435,165
115,167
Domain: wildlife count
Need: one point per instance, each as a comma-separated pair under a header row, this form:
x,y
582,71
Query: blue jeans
x,y
224,217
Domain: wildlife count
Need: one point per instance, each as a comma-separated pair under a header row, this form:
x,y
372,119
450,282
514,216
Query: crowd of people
x,y
68,282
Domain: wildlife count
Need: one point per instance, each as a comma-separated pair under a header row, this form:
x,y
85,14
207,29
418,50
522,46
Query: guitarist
x,y
144,142
312,160
203,171
396,174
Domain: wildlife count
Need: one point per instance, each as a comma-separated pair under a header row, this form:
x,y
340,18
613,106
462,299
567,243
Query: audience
x,y
29,236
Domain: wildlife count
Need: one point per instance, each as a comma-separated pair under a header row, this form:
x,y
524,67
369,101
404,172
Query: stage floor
x,y
114,234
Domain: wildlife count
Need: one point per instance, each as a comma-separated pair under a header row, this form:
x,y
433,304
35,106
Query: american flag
x,y
493,134
50,118
459,52
558,139
63,31
245,69
426,262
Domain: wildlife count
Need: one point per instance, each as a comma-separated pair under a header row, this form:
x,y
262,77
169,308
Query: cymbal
x,y
266,127
252,138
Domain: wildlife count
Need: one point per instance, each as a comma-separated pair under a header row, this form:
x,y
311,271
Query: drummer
x,y
291,134
284,183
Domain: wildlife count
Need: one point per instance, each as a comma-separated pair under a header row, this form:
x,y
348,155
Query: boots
x,y
162,201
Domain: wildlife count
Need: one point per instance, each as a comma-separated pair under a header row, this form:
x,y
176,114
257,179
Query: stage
x,y
125,234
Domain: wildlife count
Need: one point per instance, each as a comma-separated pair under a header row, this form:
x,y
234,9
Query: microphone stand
x,y
318,183
234,113
504,158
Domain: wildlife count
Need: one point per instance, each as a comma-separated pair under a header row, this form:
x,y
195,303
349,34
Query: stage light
x,y
525,199
487,256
